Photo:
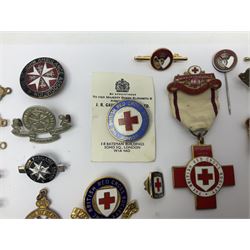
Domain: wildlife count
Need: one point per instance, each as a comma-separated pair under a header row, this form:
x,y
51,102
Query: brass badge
x,y
4,92
39,120
43,211
106,198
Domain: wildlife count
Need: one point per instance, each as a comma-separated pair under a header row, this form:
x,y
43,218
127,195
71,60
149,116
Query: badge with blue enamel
x,y
128,120
154,185
106,198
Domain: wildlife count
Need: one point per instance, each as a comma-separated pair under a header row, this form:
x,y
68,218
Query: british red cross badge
x,y
106,198
128,120
194,102
204,176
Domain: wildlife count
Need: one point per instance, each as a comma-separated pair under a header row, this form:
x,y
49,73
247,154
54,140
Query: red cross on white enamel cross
x,y
203,178
106,200
128,121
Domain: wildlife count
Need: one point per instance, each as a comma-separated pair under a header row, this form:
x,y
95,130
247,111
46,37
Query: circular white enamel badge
x,y
204,176
128,120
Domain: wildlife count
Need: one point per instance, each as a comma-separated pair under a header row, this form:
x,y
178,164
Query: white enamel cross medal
x,y
194,102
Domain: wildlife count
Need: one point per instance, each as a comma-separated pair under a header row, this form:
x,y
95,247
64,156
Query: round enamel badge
x,y
225,60
204,176
128,120
42,77
106,198
41,169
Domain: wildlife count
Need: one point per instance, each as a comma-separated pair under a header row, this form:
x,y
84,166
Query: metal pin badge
x,y
154,185
106,198
161,59
38,120
43,211
128,120
41,169
224,61
42,77
4,91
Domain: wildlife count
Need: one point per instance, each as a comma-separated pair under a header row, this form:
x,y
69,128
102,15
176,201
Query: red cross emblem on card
x,y
204,176
128,121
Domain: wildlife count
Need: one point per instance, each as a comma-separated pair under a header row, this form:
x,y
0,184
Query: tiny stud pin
x,y
161,59
154,185
247,58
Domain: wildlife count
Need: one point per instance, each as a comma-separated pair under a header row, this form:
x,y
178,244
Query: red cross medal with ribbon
x,y
194,102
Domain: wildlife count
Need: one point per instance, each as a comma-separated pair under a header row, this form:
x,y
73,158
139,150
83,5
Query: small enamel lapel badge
x,y
161,59
38,120
106,198
154,185
43,211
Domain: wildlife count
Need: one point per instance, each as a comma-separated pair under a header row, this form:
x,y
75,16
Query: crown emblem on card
x,y
122,86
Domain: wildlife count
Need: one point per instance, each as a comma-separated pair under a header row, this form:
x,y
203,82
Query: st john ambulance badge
x,y
128,120
41,169
42,77
106,198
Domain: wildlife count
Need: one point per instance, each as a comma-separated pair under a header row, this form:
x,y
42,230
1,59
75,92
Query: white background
x,y
83,53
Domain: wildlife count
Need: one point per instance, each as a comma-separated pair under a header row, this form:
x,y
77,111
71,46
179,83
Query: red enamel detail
x,y
180,182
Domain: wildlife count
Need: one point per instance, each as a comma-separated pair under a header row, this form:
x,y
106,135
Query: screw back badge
x,y
128,120
39,120
106,198
42,77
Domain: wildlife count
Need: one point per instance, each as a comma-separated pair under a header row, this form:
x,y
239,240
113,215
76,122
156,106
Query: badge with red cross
x,y
128,120
154,185
106,198
204,176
